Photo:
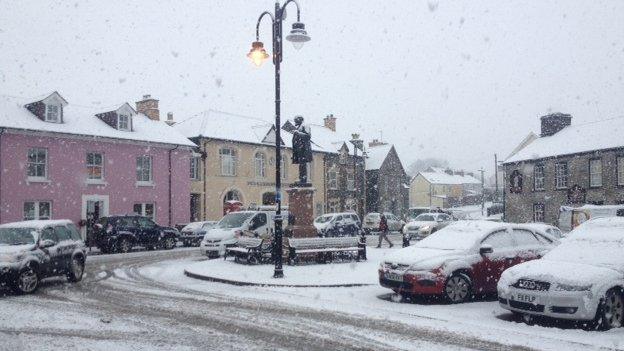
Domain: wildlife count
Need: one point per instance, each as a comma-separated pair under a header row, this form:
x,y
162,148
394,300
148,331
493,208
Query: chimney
x,y
330,122
459,173
554,122
375,142
149,107
170,120
448,171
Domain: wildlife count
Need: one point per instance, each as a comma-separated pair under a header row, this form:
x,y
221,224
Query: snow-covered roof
x,y
37,224
598,135
83,121
228,126
435,175
376,155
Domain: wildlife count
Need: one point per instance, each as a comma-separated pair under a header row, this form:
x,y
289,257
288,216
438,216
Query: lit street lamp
x,y
298,36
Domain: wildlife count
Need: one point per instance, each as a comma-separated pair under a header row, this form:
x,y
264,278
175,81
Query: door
x,y
52,257
529,246
490,267
94,207
195,207
259,225
66,246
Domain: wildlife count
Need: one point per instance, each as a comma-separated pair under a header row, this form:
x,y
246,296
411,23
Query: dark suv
x,y
122,233
33,250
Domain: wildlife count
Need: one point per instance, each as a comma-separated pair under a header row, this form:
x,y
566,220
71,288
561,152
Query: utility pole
x,y
482,193
497,198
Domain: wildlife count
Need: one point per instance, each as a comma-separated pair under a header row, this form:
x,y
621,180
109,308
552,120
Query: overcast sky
x,y
458,80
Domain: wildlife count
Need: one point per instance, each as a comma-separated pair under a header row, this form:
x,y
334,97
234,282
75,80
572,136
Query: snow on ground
x,y
482,319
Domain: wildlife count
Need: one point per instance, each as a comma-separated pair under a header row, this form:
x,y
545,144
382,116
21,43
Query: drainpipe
x,y
170,192
204,156
1,132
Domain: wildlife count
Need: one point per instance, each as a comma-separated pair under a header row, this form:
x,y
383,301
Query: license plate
x,y
393,276
526,298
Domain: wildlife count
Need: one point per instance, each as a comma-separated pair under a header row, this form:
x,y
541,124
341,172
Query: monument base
x,y
301,207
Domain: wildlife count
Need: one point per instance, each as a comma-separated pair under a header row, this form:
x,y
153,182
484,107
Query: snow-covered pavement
x,y
143,301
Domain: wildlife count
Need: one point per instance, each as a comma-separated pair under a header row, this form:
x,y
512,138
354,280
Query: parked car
x,y
572,217
193,233
581,279
236,224
371,222
121,233
547,228
33,250
413,212
425,224
338,224
496,208
465,258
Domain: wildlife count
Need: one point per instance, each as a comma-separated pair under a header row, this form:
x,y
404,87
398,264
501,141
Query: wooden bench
x,y
248,249
325,248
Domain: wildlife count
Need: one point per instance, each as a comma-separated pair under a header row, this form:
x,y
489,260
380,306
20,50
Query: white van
x,y
572,217
236,224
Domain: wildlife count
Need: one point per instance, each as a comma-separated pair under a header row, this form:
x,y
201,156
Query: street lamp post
x,y
357,144
298,36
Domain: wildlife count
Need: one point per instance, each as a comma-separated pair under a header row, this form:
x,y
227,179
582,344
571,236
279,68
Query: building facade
x,y
438,187
567,165
345,182
387,183
61,162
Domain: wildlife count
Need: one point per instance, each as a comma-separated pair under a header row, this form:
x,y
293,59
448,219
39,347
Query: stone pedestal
x,y
301,206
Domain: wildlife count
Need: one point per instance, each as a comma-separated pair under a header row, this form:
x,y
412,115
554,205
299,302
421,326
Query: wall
x,y
67,174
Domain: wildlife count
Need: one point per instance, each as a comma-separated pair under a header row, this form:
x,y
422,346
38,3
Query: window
x,y
351,205
284,168
144,169
525,237
228,162
123,122
145,223
62,233
595,172
538,177
38,163
310,171
37,210
332,182
498,240
620,170
195,168
561,175
48,234
145,209
258,221
333,206
350,181
260,165
95,166
52,113
538,213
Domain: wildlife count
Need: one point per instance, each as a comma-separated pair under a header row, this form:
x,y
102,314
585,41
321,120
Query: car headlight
x,y
422,275
567,287
425,228
11,258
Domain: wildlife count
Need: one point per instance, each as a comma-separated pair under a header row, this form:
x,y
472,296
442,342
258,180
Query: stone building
x,y
567,165
387,183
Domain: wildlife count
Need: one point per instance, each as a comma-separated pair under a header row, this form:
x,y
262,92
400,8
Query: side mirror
x,y
44,244
439,220
486,249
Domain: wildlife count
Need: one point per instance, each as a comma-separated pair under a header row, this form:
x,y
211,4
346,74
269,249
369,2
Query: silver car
x,y
425,224
371,222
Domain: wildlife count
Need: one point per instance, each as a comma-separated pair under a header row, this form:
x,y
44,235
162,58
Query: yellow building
x,y
235,161
437,187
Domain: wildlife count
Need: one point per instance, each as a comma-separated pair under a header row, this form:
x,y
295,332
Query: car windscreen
x,y
209,225
234,220
323,219
425,218
17,236
372,216
192,226
453,237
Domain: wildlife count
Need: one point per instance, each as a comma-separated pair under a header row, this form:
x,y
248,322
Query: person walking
x,y
383,231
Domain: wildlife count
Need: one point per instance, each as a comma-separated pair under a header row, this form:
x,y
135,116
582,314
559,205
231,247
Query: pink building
x,y
60,161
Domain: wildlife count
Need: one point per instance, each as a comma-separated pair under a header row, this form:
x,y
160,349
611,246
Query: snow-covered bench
x,y
249,249
325,248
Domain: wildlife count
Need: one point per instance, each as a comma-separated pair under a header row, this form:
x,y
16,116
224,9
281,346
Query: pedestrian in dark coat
x,y
383,231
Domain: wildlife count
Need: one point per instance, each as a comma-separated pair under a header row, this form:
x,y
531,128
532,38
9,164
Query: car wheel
x,y
610,313
458,288
169,243
27,281
76,270
124,246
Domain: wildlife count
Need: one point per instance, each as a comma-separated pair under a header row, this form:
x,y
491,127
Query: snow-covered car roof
x,y
37,224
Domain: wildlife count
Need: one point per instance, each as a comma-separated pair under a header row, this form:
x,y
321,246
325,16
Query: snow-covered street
x,y
143,301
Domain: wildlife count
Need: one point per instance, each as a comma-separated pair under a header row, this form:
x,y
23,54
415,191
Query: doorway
x,y
94,207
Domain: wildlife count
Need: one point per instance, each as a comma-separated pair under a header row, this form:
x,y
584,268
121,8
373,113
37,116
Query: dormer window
x,y
123,122
52,113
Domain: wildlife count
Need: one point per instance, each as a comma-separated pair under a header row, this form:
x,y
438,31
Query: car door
x,y
149,232
52,256
488,270
66,246
259,225
530,245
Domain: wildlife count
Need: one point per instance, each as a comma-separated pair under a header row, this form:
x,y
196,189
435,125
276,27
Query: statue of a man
x,y
302,148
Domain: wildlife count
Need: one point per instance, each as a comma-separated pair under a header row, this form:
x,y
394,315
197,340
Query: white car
x,y
337,224
581,279
425,224
546,228
371,222
193,233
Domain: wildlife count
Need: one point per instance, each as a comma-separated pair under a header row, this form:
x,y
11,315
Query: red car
x,y
463,259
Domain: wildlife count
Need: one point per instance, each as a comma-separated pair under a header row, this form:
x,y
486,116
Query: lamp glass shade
x,y
257,54
298,35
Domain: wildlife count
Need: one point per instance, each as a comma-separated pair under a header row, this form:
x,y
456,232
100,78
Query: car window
x,y
355,218
498,240
339,218
258,221
48,234
73,231
62,233
524,237
145,222
554,232
125,222
445,217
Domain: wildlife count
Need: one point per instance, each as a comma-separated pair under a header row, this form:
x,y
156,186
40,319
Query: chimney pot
x,y
330,122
